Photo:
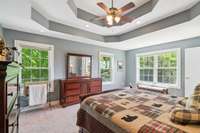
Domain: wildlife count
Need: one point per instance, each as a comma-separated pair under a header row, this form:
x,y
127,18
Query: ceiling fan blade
x,y
103,6
98,18
127,7
126,19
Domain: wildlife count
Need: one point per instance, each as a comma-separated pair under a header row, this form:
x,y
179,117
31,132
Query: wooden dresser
x,y
72,89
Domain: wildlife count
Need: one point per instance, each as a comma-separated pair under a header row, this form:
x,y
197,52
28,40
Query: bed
x,y
130,111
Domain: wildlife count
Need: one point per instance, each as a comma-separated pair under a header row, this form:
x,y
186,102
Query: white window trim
x,y
113,67
154,53
20,44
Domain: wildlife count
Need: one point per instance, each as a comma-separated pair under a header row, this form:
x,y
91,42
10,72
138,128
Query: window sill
x,y
107,83
159,85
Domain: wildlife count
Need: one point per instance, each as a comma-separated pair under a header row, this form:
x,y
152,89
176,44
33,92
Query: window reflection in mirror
x,y
79,66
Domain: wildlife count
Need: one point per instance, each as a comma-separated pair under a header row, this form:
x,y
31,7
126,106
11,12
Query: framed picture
x,y
120,65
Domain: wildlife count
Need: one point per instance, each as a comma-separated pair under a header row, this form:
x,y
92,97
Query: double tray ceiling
x,y
140,8
70,19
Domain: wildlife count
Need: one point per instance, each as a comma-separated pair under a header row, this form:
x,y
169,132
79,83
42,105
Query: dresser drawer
x,y
71,86
94,83
95,89
72,99
72,92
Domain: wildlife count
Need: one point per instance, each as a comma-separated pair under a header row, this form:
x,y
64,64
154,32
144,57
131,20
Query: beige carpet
x,y
50,120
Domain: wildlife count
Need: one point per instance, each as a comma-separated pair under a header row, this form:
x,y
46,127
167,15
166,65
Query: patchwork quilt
x,y
137,111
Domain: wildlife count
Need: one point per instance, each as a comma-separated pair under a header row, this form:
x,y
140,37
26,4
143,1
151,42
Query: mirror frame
x,y
80,55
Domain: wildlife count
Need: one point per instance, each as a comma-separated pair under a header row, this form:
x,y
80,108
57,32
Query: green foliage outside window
x,y
146,68
167,67
35,65
106,68
163,64
146,62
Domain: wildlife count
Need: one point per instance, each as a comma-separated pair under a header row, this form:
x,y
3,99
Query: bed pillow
x,y
153,88
194,100
185,116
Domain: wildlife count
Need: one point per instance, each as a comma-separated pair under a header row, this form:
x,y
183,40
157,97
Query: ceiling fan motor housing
x,y
114,11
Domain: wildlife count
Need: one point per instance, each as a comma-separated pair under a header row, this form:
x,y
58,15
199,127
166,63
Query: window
x,y
37,61
161,68
146,68
106,67
167,70
35,65
85,66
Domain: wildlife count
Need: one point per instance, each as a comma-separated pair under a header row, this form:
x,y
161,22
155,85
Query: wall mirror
x,y
79,66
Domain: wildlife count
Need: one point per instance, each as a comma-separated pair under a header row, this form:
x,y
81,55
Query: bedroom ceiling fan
x,y
115,15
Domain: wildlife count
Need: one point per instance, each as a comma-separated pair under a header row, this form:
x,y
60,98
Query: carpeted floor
x,y
50,120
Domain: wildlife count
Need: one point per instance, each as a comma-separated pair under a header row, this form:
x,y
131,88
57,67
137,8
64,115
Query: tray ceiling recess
x,y
89,17
146,8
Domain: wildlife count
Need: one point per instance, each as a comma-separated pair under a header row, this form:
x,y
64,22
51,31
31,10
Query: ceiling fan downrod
x,y
112,4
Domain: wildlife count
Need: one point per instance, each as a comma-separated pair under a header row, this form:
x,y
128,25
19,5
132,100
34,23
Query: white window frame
x,y
155,78
21,44
113,67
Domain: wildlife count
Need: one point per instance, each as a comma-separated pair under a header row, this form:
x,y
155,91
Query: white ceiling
x,y
15,14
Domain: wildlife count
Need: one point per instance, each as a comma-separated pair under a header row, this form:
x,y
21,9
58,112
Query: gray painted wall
x,y
62,47
183,44
1,31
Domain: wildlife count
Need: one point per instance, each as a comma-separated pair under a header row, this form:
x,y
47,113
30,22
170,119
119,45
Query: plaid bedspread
x,y
137,111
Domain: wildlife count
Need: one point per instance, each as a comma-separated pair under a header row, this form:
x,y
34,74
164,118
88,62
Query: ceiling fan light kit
x,y
117,19
111,19
115,15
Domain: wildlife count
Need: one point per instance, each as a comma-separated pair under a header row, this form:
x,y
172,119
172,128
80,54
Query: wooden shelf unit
x,y
9,99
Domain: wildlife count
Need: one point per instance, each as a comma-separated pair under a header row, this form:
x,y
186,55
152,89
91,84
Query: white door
x,y
192,69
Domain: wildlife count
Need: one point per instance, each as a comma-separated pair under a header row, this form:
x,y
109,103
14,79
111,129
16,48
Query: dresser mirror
x,y
79,66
